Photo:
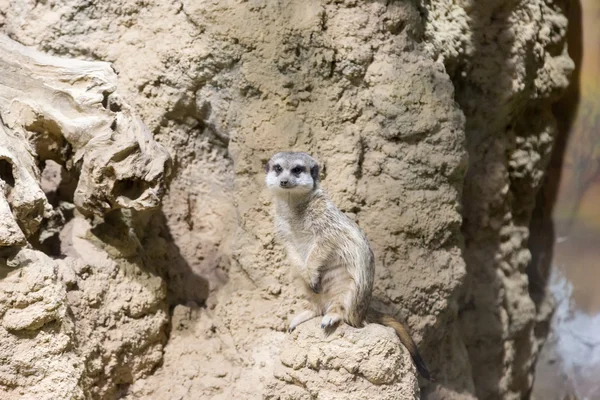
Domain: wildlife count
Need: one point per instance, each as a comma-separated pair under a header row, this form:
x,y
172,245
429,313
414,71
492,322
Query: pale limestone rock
x,y
347,364
68,111
83,325
36,332
23,204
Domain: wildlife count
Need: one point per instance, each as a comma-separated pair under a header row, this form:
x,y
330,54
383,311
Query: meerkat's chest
x,y
297,236
303,242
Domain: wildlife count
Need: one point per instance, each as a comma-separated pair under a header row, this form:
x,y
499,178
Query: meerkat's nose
x,y
283,182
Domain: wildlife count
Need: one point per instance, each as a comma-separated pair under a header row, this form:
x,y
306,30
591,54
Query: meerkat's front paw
x,y
330,320
303,316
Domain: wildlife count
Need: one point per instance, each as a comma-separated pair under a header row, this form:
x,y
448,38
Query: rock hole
x,y
50,181
6,174
59,186
130,188
105,99
114,107
57,183
122,389
51,245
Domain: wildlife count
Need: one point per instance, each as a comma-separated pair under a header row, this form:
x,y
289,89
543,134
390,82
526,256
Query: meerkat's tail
x,y
403,335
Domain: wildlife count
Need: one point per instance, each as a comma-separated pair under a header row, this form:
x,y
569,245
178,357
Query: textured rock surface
x,y
37,333
507,70
378,91
67,111
333,368
92,320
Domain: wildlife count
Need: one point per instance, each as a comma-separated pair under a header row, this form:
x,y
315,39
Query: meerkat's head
x,y
292,173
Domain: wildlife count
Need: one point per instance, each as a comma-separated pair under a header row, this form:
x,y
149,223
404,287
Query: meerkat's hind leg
x,y
301,317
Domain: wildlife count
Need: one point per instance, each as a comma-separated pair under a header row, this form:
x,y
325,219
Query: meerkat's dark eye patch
x,y
277,168
297,170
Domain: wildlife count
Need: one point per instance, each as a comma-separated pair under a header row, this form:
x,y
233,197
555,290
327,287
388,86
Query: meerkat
x,y
330,254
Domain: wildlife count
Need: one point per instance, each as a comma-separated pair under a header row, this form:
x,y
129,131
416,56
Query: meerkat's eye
x,y
277,168
297,170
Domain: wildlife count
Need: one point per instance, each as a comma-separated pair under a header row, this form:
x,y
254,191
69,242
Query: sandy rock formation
x,y
37,333
508,62
401,101
83,324
67,111
344,366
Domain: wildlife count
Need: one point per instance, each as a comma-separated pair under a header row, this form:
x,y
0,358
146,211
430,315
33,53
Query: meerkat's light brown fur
x,y
329,253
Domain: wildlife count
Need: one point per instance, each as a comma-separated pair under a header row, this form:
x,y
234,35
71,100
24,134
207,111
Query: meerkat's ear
x,y
267,166
314,172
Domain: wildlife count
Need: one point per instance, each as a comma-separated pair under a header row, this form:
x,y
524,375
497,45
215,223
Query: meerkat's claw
x,y
300,318
330,320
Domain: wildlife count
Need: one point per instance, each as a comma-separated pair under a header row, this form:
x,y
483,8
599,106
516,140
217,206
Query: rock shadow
x,y
184,285
146,236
